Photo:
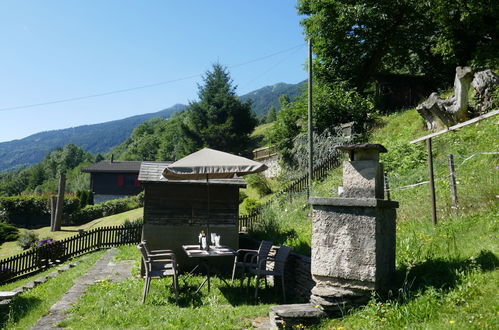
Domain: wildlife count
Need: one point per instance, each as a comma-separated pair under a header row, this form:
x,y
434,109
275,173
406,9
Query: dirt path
x,y
103,268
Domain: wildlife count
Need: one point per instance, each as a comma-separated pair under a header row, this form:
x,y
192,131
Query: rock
x,y
7,294
295,315
483,83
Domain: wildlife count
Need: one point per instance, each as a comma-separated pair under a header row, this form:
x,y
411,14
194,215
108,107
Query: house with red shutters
x,y
110,179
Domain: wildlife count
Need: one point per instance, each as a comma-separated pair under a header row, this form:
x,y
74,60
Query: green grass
x,y
262,131
477,177
118,305
28,307
8,249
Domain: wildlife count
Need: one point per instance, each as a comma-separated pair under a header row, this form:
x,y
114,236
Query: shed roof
x,y
152,172
107,166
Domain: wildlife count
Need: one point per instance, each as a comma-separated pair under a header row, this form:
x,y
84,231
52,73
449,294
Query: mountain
x,y
97,138
268,96
100,138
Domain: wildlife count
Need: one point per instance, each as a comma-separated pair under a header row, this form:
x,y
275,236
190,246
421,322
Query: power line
x,y
125,90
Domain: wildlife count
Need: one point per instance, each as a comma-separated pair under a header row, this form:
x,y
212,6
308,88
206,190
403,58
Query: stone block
x,y
353,244
292,315
363,179
7,294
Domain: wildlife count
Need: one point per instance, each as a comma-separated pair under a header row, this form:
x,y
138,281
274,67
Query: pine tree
x,y
220,120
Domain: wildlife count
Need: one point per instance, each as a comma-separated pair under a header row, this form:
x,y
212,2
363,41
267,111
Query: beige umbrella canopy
x,y
211,164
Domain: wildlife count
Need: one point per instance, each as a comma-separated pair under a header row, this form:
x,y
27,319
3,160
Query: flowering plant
x,y
45,242
51,251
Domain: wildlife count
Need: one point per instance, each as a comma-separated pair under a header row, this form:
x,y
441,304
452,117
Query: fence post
x,y
387,185
432,182
99,238
452,179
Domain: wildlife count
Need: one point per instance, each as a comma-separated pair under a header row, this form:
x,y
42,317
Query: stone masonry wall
x,y
298,278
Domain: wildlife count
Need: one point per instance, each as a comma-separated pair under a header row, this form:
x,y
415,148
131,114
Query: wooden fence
x,y
42,257
318,173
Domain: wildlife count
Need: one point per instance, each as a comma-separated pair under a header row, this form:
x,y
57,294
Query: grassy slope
x,y
447,274
8,249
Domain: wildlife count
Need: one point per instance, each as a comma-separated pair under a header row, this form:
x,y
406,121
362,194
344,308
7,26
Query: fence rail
x,y
59,251
319,172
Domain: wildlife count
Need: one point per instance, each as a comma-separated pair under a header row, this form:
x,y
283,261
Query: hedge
x,y
92,212
32,211
27,211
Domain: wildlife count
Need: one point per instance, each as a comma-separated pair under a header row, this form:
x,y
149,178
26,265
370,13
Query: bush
x,y
259,183
32,210
250,205
8,233
242,196
49,250
27,239
92,212
133,223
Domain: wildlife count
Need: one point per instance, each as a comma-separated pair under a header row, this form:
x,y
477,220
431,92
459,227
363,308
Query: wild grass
x,y
8,249
446,278
28,307
446,275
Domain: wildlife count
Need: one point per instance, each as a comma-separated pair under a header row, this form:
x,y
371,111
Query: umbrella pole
x,y
208,236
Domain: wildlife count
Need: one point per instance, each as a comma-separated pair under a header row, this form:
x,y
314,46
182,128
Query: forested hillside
x,y
98,138
264,98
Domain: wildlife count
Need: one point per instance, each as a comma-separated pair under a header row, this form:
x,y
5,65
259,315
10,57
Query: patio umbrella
x,y
211,164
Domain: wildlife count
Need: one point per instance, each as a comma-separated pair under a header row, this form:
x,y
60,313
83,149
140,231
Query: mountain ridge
x,y
102,137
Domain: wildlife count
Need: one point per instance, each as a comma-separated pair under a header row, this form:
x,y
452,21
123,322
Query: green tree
x,y
332,107
271,115
355,40
219,119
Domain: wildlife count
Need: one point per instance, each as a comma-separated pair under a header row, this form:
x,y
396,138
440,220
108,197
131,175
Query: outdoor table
x,y
194,251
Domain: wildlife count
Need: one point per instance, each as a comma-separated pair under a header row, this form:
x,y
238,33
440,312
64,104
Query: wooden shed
x,y
176,211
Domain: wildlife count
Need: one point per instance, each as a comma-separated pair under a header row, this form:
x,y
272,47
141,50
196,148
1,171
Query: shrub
x,y
32,210
259,183
91,212
133,223
8,233
242,196
49,250
27,239
250,205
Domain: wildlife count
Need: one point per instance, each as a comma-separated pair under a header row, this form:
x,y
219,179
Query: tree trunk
x,y
60,203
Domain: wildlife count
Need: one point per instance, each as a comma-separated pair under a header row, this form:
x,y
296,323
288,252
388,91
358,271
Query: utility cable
x,y
125,90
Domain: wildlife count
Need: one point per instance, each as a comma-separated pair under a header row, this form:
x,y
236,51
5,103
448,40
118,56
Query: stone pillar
x,y
353,237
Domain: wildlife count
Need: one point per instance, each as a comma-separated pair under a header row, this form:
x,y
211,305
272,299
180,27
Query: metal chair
x,y
158,266
279,262
154,252
250,258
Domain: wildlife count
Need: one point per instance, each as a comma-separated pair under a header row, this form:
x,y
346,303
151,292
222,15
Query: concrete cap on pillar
x,y
363,151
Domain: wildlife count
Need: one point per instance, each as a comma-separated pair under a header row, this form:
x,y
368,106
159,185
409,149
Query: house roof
x,y
107,166
152,172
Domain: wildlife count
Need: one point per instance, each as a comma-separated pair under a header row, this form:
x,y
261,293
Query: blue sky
x,y
57,50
